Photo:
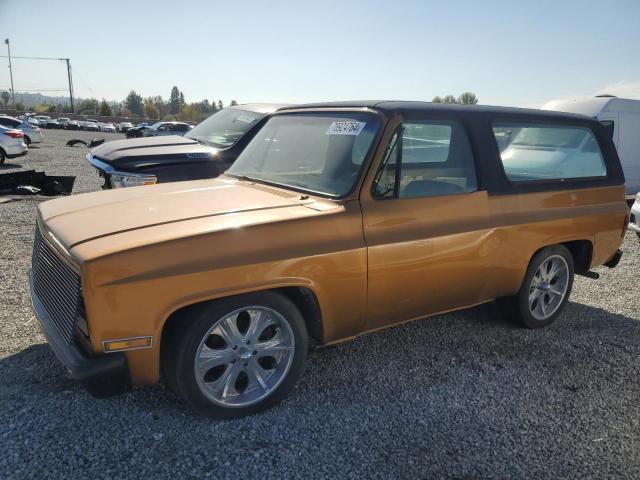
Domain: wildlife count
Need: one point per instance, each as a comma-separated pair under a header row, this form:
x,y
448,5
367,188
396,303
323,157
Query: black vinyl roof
x,y
390,107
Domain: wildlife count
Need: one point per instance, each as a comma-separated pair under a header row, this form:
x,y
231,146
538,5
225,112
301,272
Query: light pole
x,y
13,94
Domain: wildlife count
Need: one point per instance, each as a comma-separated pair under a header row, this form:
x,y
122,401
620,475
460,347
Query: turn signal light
x,y
127,344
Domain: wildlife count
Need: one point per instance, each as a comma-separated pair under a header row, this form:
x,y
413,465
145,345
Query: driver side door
x,y
425,225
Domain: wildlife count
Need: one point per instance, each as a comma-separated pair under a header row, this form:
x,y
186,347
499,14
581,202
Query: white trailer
x,y
622,115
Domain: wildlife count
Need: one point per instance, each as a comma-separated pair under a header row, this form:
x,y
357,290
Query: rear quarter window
x,y
532,152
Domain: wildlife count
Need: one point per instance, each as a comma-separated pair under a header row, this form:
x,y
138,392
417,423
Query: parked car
x,y
11,143
336,219
108,127
62,121
166,128
32,133
91,126
42,120
137,131
33,121
72,125
634,222
204,152
52,123
124,126
622,117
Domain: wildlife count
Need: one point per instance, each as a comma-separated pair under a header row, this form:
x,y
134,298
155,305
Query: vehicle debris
x,y
30,182
93,143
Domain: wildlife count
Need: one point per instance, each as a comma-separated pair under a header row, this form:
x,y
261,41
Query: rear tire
x,y
545,288
3,156
236,356
27,140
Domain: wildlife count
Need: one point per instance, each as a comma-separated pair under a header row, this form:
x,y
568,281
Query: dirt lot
x,y
465,396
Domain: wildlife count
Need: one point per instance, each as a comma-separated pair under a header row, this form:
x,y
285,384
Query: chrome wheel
x,y
245,356
548,287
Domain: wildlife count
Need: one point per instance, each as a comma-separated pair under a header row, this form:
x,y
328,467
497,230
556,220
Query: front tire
x,y
3,156
237,356
27,140
545,288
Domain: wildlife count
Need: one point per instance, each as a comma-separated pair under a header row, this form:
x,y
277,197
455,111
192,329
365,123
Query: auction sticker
x,y
346,127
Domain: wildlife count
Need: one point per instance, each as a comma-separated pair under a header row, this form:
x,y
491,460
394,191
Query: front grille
x,y
57,287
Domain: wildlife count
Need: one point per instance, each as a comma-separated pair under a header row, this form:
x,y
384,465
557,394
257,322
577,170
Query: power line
x,y
34,58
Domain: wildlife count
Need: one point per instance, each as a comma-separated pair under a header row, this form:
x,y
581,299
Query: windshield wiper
x,y
244,178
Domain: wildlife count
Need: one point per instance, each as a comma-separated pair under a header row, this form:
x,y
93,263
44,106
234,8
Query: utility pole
x,y
70,84
13,94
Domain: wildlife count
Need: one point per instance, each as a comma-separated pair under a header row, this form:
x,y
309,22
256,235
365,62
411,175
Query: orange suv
x,y
337,219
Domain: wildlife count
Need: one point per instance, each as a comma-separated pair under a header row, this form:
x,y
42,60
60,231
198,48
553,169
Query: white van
x,y
622,116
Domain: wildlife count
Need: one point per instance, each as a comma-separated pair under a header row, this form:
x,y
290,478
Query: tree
x,y
174,100
437,99
181,100
5,98
233,103
468,98
220,105
134,103
89,106
150,109
52,109
449,99
105,109
20,106
189,113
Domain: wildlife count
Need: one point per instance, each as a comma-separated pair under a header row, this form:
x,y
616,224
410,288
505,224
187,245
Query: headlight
x,y
121,180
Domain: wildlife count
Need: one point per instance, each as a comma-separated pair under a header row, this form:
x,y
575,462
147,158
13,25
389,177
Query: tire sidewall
x,y
202,320
523,295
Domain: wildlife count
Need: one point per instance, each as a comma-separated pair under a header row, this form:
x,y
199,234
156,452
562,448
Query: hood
x,y
81,218
149,152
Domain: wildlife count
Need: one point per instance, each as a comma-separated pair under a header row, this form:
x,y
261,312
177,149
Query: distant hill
x,y
32,99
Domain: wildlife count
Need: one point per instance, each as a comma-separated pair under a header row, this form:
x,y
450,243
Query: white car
x,y
634,221
108,127
32,133
42,120
11,143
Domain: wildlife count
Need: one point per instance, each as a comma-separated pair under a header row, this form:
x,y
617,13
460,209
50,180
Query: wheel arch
x,y
302,297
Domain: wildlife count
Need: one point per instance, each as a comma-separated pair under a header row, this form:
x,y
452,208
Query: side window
x,y
549,152
426,159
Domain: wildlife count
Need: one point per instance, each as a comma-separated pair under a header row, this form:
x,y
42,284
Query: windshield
x,y
155,126
225,128
317,152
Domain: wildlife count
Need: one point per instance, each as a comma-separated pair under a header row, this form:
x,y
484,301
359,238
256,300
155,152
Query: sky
x,y
507,52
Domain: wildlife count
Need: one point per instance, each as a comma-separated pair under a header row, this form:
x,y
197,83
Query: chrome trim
x,y
108,169
104,344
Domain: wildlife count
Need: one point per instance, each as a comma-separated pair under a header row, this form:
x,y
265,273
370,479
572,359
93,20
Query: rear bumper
x,y
103,376
17,149
18,154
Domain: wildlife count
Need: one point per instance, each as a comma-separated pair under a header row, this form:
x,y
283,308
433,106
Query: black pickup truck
x,y
204,152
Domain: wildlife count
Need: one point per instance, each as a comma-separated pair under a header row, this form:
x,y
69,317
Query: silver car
x,y
634,221
166,128
32,133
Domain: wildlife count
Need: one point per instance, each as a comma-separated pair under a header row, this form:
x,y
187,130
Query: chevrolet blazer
x,y
335,220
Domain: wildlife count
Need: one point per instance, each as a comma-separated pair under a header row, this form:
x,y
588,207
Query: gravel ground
x,y
460,396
